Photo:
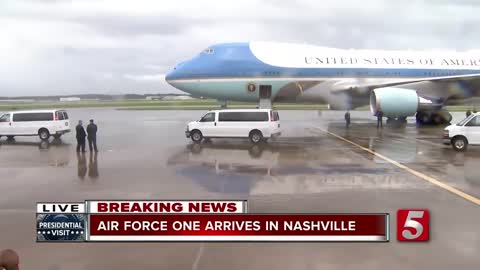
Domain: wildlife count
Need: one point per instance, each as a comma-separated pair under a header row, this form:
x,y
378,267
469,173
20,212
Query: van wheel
x,y
459,143
43,134
196,136
256,136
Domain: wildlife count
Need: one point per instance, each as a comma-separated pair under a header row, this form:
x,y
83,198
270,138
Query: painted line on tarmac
x,y
425,177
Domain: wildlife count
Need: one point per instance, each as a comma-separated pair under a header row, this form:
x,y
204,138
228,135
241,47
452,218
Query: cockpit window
x,y
208,51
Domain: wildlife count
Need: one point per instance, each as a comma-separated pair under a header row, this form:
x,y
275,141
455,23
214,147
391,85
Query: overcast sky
x,y
126,46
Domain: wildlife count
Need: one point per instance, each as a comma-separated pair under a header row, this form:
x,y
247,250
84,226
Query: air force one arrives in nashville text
x,y
399,83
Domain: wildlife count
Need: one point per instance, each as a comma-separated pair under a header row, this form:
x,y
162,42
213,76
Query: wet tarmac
x,y
144,155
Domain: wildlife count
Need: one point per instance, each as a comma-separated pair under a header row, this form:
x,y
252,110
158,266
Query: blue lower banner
x,y
61,227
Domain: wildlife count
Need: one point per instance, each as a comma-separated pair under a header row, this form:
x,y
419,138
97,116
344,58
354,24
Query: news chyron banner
x,y
205,221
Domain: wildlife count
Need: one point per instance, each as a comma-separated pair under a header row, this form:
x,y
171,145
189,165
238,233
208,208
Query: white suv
x,y
256,124
42,123
464,133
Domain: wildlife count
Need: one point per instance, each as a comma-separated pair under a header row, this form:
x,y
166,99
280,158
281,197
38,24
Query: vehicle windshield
x,y
474,122
5,118
209,117
461,123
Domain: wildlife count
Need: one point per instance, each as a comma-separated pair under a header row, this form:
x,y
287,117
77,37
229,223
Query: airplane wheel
x,y
402,120
425,118
435,118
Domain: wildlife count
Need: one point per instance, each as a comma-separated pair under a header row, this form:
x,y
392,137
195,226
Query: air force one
x,y
399,83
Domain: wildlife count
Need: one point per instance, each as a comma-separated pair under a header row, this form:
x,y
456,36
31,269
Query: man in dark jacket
x,y
92,136
80,136
379,119
347,118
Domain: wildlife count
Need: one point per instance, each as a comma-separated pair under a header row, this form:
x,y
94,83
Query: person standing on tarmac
x,y
347,119
80,136
379,119
468,113
92,136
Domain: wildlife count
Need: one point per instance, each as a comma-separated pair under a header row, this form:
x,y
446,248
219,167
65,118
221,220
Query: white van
x,y
256,124
464,133
44,123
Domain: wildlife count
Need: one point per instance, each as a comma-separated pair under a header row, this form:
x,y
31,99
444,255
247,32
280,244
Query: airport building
x,y
69,99
177,98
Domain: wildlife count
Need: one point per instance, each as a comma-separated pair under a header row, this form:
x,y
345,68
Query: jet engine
x,y
394,102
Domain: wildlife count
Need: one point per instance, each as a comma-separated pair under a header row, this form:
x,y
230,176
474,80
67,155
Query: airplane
x,y
399,83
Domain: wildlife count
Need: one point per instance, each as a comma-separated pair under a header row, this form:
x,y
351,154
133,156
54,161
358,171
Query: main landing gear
x,y
433,117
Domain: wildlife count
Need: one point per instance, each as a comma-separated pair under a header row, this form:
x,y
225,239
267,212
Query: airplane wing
x,y
369,84
355,92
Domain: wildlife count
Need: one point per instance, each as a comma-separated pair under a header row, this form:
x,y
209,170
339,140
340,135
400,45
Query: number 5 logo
x,y
413,225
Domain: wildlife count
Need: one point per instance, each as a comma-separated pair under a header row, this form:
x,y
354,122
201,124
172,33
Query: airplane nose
x,y
169,76
174,74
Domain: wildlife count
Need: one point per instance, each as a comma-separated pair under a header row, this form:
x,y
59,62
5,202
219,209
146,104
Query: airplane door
x,y
208,124
5,124
265,91
473,130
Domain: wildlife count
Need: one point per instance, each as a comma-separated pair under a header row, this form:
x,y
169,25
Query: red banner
x,y
239,227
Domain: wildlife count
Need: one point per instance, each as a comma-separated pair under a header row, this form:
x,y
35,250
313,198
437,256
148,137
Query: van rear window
x,y
27,117
242,116
276,117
